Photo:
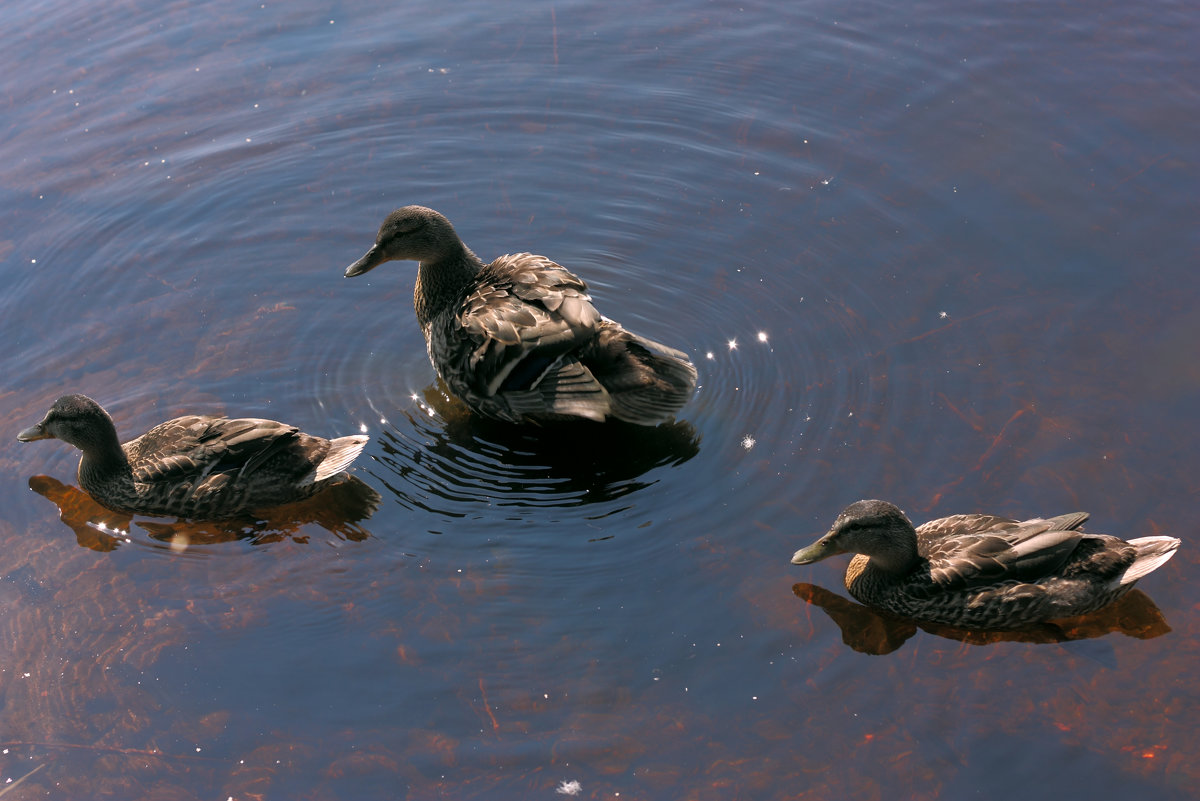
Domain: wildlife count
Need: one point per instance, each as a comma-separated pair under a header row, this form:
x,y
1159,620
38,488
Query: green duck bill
x,y
819,550
34,433
370,260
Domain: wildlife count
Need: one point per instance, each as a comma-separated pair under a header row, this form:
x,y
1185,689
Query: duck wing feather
x,y
975,550
200,445
525,314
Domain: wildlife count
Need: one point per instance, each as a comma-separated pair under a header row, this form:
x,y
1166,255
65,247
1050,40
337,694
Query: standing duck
x,y
519,339
980,571
199,467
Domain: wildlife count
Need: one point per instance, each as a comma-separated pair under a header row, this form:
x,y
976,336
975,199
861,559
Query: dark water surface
x,y
939,253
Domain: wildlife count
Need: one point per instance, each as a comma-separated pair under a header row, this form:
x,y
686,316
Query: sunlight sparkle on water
x,y
748,442
733,344
762,336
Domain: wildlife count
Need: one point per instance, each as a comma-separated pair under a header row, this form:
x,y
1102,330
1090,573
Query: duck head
x,y
875,528
77,420
413,233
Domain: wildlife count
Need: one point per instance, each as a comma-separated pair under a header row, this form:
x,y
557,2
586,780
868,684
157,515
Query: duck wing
x,y
525,314
199,445
973,550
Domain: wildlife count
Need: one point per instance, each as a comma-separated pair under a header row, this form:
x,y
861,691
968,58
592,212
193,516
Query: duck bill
x,y
34,433
816,552
370,260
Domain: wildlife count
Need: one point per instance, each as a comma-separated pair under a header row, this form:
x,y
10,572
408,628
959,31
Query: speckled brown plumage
x,y
519,339
199,467
982,571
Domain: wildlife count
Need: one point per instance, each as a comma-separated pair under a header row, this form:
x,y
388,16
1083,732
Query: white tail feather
x,y
342,452
1153,553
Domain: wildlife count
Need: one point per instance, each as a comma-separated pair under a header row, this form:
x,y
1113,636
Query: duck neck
x,y
104,462
900,554
894,563
441,282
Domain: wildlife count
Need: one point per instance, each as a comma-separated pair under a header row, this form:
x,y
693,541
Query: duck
x,y
981,571
519,340
199,467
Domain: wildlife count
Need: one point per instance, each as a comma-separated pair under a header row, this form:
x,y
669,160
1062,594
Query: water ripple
x,y
445,460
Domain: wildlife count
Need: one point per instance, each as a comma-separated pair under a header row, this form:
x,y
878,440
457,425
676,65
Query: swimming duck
x,y
197,466
519,339
981,571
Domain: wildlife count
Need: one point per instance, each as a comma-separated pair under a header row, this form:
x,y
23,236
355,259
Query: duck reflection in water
x,y
339,509
872,631
447,456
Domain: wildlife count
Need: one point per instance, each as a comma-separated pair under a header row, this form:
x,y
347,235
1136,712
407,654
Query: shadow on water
x,y
339,509
871,631
449,460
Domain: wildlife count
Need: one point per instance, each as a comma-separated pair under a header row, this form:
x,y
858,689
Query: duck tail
x,y
342,452
1152,553
1068,522
647,381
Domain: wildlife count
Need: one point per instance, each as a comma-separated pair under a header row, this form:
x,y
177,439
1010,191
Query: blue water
x,y
939,253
